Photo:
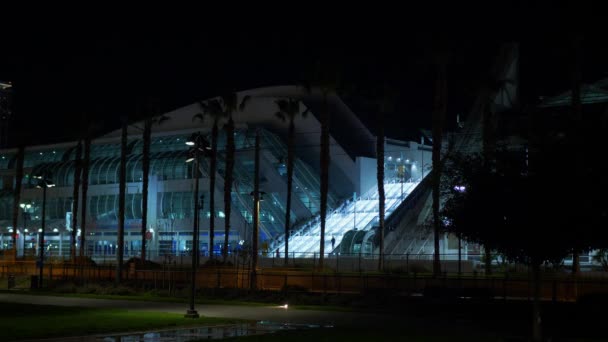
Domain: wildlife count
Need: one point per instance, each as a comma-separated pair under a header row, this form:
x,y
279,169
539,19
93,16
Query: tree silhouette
x,y
289,109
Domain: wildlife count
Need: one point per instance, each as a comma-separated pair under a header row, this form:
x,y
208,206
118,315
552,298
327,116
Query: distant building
x,y
352,171
6,111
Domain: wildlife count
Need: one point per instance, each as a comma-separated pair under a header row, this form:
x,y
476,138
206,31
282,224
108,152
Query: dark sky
x,y
100,68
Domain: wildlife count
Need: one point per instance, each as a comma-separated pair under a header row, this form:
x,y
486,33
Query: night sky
x,y
100,68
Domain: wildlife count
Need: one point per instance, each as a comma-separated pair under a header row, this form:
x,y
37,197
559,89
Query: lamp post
x,y
257,197
197,145
44,182
26,209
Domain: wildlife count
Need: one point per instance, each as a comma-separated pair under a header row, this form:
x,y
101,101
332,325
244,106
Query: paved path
x,y
268,313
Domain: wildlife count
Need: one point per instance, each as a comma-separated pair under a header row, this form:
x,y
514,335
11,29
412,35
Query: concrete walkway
x,y
266,313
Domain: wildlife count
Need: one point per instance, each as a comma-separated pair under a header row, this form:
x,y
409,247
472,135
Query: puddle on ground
x,y
211,333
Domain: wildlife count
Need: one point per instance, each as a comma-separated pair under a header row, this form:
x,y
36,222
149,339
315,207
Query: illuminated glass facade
x,y
171,199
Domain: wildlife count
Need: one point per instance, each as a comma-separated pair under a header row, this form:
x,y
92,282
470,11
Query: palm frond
x,y
161,119
305,112
228,103
282,104
244,102
281,116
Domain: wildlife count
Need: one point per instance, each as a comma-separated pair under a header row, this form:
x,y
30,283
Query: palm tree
x,y
289,109
86,163
145,165
440,104
326,80
380,180
17,193
577,112
230,104
147,139
228,175
75,196
121,200
214,110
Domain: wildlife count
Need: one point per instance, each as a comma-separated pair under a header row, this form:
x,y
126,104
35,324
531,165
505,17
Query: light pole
x,y
44,182
197,145
26,209
256,213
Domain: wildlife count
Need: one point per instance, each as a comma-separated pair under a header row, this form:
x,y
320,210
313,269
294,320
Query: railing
x,y
350,275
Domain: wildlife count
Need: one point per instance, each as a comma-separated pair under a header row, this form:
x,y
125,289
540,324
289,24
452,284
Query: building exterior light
x,y
460,188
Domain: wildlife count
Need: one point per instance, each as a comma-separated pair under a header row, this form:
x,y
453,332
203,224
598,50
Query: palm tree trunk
x,y
380,179
438,119
488,259
85,188
145,184
17,195
325,160
212,168
536,311
256,214
230,151
290,160
75,196
121,202
578,118
459,255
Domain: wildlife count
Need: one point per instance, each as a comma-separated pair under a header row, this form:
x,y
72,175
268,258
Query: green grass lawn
x,y
19,321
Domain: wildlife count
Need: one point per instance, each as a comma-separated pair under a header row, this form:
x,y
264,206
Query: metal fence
x,y
451,263
175,279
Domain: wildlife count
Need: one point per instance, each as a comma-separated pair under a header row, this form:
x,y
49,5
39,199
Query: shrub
x,y
146,265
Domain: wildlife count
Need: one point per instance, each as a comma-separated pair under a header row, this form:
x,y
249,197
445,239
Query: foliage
x,y
147,264
601,257
522,215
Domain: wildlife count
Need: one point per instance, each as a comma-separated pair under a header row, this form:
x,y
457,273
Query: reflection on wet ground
x,y
193,333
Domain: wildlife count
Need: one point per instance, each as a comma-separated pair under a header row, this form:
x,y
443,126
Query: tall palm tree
x,y
230,105
577,112
228,175
75,196
289,109
145,165
386,102
17,193
86,163
380,180
326,80
150,119
439,112
121,200
214,110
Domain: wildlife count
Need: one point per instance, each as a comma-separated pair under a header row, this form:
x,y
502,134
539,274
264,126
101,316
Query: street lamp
x,y
198,145
256,216
44,182
25,207
256,213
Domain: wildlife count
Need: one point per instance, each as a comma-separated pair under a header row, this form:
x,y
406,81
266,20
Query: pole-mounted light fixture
x,y
198,144
44,182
